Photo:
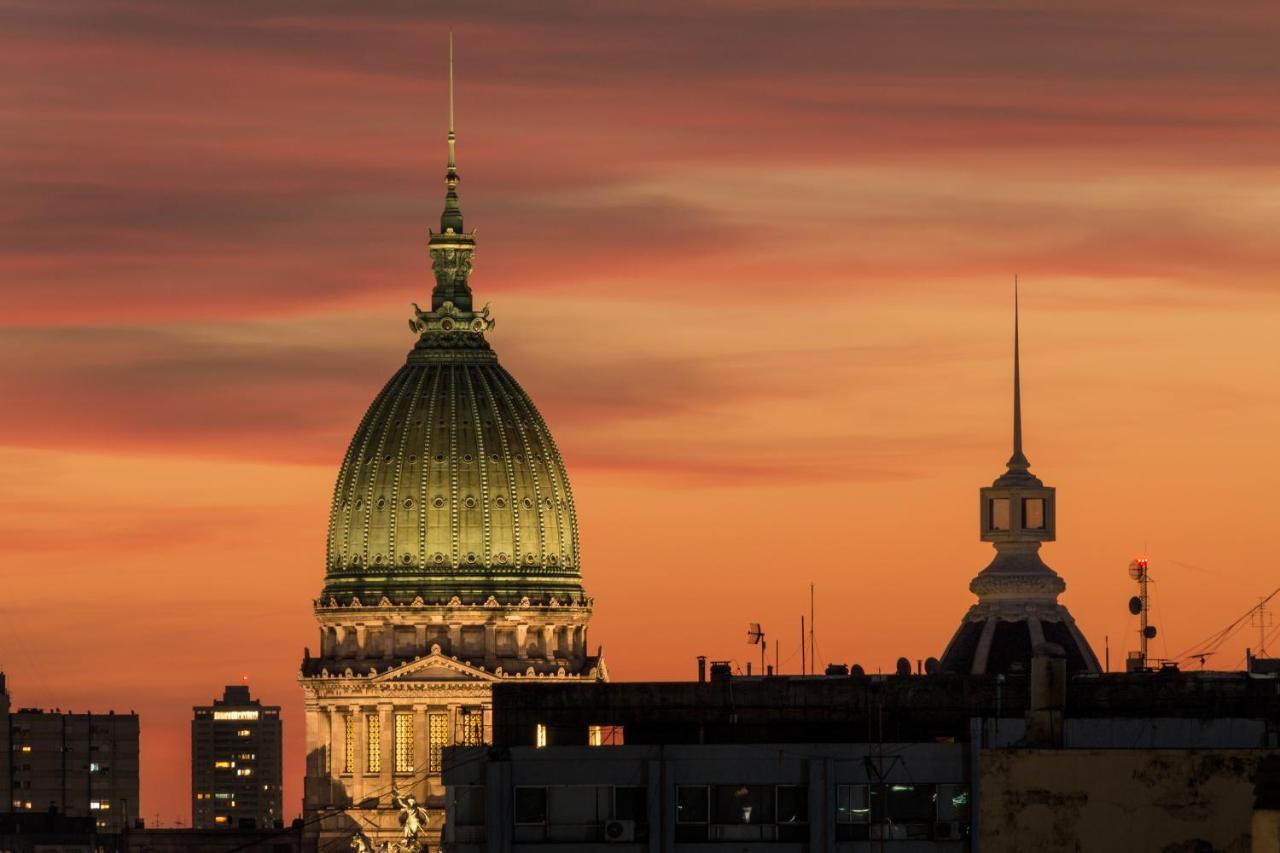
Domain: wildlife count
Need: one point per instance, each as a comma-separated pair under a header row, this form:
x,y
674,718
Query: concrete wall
x,y
1130,800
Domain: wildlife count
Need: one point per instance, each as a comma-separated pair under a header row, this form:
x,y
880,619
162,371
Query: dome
x,y
452,484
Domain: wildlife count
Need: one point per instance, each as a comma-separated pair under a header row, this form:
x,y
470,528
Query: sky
x,y
753,260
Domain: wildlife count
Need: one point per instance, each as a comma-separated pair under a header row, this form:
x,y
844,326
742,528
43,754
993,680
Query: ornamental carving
x,y
451,266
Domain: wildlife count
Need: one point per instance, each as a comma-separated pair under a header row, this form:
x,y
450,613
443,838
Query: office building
x,y
236,772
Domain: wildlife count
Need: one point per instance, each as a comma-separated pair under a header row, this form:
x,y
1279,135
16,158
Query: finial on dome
x,y
1018,461
451,218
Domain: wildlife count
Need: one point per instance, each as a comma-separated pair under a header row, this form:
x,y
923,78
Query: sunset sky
x,y
753,260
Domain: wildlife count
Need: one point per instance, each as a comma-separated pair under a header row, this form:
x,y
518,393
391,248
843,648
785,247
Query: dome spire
x,y
1018,461
451,218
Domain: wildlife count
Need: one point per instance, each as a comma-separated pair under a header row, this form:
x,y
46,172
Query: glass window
x,y
349,737
902,811
1033,513
531,805
404,743
374,758
604,736
540,736
629,804
851,804
742,804
691,804
472,726
953,803
793,804
998,514
437,734
573,805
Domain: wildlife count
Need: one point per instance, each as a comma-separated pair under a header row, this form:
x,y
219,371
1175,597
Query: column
x,y
361,749
421,749
455,639
548,636
326,755
360,635
522,636
490,645
388,726
420,639
315,763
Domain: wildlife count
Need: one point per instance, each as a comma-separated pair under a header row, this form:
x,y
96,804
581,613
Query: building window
x,y
998,514
605,736
472,726
692,813
1033,513
404,743
853,813
540,736
349,743
438,734
374,756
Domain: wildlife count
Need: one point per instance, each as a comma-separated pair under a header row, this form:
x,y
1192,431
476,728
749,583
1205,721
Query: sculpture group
x,y
413,820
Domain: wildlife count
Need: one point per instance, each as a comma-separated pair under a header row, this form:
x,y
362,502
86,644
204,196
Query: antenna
x,y
755,636
452,135
813,666
1262,619
1139,605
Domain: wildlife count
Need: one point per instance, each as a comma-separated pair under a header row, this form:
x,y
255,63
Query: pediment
x,y
435,667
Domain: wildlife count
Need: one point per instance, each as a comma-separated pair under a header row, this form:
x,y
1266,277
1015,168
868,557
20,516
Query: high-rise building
x,y
79,765
452,564
236,771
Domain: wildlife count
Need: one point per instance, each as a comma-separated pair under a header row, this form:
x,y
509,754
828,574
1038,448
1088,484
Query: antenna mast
x,y
1262,620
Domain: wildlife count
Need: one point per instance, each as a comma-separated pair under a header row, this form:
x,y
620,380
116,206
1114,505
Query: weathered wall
x,y
1123,800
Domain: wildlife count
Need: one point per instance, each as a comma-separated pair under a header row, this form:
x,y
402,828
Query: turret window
x,y
1033,513
998,514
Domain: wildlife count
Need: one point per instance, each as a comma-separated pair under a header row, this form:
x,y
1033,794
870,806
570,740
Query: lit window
x,y
374,758
244,732
248,756
235,715
999,514
349,738
224,765
472,726
404,743
604,736
94,767
223,796
245,771
1033,513
540,736
438,733
220,819
99,805
26,748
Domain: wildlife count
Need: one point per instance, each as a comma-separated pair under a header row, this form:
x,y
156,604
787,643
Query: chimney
x,y
702,669
1048,697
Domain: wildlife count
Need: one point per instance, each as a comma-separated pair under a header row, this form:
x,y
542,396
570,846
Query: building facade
x,y
915,763
77,765
236,763
452,565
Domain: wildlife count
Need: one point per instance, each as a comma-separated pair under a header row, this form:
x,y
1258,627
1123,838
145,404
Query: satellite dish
x,y
1137,569
904,666
1149,632
1135,605
754,634
932,666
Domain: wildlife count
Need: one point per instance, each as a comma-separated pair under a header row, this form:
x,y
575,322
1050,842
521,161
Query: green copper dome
x,y
452,484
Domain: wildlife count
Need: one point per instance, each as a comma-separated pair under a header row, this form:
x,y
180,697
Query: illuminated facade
x,y
452,563
236,769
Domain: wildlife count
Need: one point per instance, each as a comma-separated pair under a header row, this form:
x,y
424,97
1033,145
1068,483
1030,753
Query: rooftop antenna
x,y
1262,619
813,667
1018,459
1139,605
453,165
755,636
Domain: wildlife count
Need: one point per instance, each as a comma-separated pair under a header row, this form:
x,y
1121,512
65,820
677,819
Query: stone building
x,y
74,765
236,763
452,564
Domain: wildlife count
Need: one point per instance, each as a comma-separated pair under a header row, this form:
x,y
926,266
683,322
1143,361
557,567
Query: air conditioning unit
x,y
620,830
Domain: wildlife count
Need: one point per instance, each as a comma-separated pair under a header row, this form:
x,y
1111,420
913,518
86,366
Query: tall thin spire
x,y
451,218
1018,460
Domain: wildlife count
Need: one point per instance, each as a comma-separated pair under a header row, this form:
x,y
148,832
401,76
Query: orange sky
x,y
753,261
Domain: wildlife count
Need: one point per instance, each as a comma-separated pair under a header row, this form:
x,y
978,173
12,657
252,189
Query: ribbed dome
x,y
452,485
